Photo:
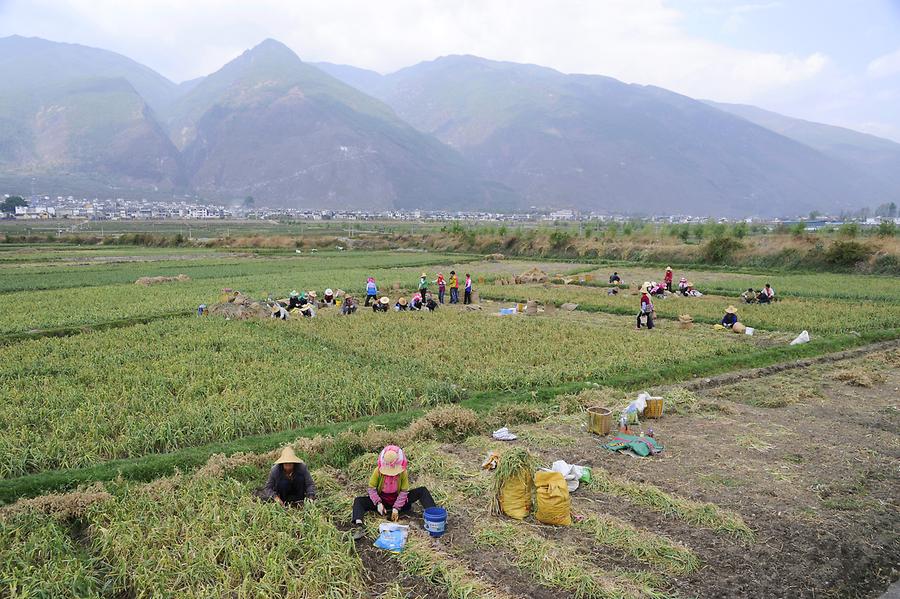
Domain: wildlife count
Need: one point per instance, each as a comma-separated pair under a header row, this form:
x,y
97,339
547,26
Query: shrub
x,y
720,250
846,253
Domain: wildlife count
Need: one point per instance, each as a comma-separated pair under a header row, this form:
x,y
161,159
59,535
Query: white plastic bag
x,y
570,472
801,338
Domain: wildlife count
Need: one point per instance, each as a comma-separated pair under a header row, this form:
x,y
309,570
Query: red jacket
x,y
668,277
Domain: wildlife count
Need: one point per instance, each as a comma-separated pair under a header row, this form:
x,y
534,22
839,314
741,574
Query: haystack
x,y
495,257
534,275
157,280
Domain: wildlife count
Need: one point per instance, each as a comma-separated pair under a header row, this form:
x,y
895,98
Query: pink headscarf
x,y
400,461
371,280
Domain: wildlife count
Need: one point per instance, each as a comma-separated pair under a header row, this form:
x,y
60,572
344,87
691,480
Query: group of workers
x,y
650,289
307,303
389,494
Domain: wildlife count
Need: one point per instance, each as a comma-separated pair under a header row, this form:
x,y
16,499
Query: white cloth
x,y
503,434
570,472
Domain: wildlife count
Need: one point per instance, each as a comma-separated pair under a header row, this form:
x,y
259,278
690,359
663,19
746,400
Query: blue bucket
x,y
435,521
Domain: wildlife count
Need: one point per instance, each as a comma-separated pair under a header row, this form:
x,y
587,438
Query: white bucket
x,y
749,331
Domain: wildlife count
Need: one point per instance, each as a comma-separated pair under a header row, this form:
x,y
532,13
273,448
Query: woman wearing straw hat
x,y
423,284
389,490
402,305
646,307
381,305
667,279
730,318
289,481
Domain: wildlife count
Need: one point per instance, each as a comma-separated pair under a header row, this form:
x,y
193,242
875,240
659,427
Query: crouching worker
x,y
349,306
730,317
389,492
289,481
381,305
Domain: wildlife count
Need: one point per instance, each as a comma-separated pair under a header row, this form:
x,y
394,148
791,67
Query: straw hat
x,y
329,292
668,269
402,301
288,456
384,300
645,288
424,275
690,284
312,294
391,461
730,310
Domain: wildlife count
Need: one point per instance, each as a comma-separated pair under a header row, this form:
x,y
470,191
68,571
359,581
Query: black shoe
x,y
358,533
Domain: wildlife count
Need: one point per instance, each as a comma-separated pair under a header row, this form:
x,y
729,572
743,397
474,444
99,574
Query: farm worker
x,y
289,481
682,285
454,287
615,279
646,307
730,317
689,291
442,287
328,300
766,295
381,305
349,305
430,303
667,279
749,296
294,301
312,299
389,490
423,284
278,311
416,303
657,289
401,305
467,296
371,291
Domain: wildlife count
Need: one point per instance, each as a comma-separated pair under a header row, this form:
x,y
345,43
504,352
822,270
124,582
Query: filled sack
x,y
554,505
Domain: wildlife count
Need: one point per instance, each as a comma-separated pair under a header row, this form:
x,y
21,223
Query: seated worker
x,y
311,296
401,305
430,303
689,291
749,296
657,288
349,305
388,490
682,284
730,317
381,305
289,482
278,311
294,302
416,303
328,300
766,295
615,279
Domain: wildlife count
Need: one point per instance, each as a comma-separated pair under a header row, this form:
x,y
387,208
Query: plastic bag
x,y
801,338
554,505
515,496
393,537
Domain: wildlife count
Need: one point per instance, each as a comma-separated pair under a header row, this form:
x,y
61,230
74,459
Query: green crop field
x,y
122,389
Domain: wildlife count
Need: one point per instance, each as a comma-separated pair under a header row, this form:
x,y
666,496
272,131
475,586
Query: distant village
x,y
120,209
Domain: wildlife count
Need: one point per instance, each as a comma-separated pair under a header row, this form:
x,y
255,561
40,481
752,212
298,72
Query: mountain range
x,y
459,132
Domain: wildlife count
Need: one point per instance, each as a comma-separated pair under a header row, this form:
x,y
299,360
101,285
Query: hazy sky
x,y
835,61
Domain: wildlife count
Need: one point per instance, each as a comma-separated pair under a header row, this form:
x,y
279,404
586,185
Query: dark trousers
x,y
454,295
648,315
467,296
669,286
440,295
364,504
370,298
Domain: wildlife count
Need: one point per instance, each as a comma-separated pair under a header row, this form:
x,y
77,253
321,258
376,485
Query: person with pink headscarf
x,y
371,291
389,490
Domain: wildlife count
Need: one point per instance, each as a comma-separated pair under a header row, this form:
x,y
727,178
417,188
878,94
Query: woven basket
x,y
654,408
599,420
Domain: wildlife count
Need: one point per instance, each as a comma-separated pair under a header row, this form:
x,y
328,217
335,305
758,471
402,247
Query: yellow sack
x,y
515,496
554,506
